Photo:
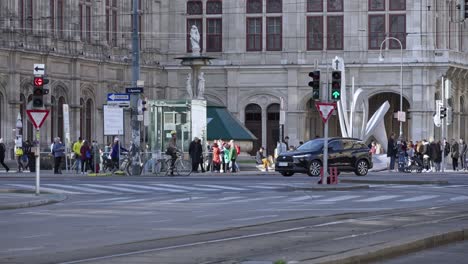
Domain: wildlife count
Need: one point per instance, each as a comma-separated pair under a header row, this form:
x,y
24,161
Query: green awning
x,y
223,125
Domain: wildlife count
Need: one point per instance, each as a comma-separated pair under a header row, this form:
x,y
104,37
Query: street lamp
x,y
381,58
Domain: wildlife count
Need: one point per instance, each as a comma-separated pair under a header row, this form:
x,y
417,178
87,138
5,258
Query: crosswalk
x,y
312,200
122,188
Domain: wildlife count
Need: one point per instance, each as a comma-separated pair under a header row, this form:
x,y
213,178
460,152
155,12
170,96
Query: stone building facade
x,y
264,49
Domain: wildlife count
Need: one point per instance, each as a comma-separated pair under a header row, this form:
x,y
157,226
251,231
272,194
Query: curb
x,y
393,249
409,182
53,198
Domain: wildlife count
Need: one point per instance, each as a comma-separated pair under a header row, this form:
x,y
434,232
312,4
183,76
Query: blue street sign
x,y
118,97
134,90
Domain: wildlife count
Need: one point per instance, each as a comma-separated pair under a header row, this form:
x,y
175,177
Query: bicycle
x,y
162,166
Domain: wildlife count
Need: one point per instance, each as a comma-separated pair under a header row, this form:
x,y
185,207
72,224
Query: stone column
x,y
73,100
264,128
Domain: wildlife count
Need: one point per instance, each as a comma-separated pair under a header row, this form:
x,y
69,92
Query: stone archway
x,y
391,123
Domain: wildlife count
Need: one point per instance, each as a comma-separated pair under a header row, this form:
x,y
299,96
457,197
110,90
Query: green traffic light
x,y
336,95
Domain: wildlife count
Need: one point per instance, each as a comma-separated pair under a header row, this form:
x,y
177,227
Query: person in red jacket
x,y
216,159
85,152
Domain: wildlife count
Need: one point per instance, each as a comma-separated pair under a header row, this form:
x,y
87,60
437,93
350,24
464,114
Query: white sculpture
x,y
201,85
188,85
349,122
195,41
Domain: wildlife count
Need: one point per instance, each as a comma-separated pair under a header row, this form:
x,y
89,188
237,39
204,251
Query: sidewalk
x,y
15,199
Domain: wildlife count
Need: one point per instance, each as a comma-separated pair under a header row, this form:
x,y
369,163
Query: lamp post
x,y
381,58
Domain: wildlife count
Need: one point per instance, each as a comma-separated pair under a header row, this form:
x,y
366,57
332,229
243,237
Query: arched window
x,y
253,112
273,113
61,102
2,111
88,125
82,111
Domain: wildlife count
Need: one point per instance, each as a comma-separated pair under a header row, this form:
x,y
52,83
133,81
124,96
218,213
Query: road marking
x,y
101,200
379,198
231,198
149,187
40,235
339,198
254,218
185,187
222,187
52,190
419,198
181,200
302,198
23,249
128,201
77,188
263,187
258,199
459,198
115,188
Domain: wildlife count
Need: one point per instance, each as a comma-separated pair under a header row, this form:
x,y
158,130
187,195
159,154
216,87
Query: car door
x,y
334,153
348,155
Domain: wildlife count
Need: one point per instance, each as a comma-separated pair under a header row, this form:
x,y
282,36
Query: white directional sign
x,y
39,69
118,99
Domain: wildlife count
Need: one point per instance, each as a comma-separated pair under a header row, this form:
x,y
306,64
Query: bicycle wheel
x,y
183,167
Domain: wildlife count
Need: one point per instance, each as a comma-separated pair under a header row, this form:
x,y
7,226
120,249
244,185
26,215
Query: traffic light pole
x,y
443,125
38,162
325,143
135,153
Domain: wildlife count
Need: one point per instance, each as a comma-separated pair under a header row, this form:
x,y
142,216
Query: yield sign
x,y
37,116
325,110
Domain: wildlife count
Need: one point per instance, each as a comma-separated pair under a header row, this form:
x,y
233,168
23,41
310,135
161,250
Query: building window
x,y
397,5
315,33
85,20
82,118
60,17
214,7
376,5
198,22
335,32
376,31
335,6
314,5
52,15
194,7
254,6
214,34
88,125
60,132
397,30
274,34
111,22
253,112
274,6
53,109
254,34
26,15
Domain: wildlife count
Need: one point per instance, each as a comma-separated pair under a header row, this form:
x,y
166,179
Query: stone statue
x,y
188,85
195,41
201,85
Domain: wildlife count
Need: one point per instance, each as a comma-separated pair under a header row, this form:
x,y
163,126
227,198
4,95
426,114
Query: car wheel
x,y
287,173
314,168
362,168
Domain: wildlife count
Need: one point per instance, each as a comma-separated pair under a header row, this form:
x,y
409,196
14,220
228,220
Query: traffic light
x,y
442,112
38,92
336,85
315,84
141,106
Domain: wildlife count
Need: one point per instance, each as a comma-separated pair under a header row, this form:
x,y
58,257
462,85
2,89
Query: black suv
x,y
348,154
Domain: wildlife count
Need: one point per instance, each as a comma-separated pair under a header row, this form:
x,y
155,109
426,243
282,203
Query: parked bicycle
x,y
162,166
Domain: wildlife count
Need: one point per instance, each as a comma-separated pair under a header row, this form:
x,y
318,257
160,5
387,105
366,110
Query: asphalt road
x,y
109,216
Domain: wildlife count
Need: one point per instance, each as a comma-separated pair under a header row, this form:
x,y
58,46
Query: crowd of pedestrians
x,y
427,153
220,156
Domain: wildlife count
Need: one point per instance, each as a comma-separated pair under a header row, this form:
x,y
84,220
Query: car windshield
x,y
313,145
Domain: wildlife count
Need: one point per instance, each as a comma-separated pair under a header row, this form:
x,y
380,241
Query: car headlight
x,y
300,158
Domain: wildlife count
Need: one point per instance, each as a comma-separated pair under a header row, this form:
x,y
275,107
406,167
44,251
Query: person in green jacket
x,y
232,155
226,156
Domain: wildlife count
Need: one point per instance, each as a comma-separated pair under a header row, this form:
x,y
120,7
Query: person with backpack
x,y
2,155
85,154
77,154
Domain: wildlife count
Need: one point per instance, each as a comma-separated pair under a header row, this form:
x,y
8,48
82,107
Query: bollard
x,y
333,175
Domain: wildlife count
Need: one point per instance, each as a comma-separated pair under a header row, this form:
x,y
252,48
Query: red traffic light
x,y
38,81
336,75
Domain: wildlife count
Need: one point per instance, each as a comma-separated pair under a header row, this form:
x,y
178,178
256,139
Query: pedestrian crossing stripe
x,y
185,187
45,189
379,198
222,187
115,188
339,198
74,187
150,188
419,198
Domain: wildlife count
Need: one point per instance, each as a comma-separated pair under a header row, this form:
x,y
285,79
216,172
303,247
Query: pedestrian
x,y
435,156
454,154
115,153
171,150
227,159
85,156
2,155
232,155
262,159
391,151
463,149
209,157
77,154
286,141
19,153
438,156
195,152
58,152
216,157
372,147
426,152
